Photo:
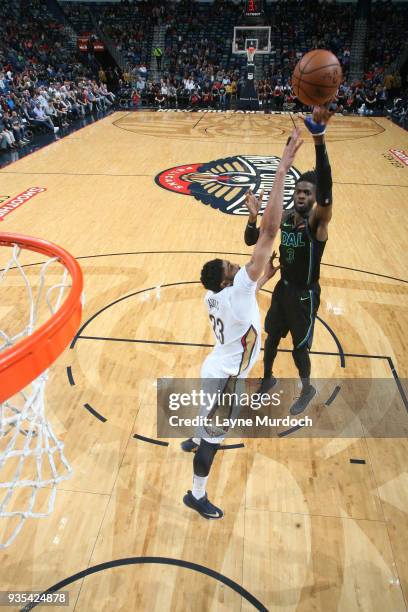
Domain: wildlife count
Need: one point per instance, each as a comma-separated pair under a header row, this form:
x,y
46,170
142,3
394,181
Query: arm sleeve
x,y
323,177
251,234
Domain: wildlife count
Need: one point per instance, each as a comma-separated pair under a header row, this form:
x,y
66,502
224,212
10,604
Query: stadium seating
x,y
198,68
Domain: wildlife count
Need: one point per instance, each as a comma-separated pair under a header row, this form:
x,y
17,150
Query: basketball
x,y
316,77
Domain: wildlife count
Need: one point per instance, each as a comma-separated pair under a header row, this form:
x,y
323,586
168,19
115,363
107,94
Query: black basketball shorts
x,y
293,310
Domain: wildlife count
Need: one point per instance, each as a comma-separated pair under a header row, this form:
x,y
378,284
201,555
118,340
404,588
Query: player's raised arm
x,y
251,234
321,214
273,212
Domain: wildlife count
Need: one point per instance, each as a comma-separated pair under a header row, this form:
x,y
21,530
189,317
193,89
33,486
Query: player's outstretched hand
x,y
292,146
316,124
270,268
253,204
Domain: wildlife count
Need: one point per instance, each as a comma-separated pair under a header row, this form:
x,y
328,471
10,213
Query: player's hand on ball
x,y
322,114
253,204
316,124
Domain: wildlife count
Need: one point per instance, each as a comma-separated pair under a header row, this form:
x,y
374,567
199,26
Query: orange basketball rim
x,y
28,358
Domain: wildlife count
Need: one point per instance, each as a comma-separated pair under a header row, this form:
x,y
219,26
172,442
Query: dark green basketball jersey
x,y
300,253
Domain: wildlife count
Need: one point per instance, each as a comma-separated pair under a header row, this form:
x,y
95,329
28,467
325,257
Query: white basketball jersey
x,y
236,322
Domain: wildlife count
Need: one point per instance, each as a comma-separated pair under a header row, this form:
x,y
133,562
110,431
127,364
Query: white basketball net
x,y
32,462
251,54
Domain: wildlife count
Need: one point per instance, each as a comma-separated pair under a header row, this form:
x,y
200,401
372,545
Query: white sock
x,y
198,489
196,440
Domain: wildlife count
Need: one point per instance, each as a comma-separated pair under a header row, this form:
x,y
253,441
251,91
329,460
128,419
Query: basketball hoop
x,y
251,54
31,456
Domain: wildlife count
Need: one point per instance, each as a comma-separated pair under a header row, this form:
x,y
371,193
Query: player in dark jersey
x,y
304,233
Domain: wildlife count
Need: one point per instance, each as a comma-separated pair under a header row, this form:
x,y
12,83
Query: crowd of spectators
x,y
199,36
381,88
398,112
198,68
297,27
28,103
199,71
44,85
369,96
128,25
32,40
376,94
387,32
217,91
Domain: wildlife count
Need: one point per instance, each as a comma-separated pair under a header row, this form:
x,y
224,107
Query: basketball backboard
x,y
258,37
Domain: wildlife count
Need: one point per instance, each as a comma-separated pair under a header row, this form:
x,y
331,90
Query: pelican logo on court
x,y
223,183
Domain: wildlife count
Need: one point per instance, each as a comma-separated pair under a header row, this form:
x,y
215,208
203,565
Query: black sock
x,y
305,385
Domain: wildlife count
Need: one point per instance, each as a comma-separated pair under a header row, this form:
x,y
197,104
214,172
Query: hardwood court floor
x,y
304,529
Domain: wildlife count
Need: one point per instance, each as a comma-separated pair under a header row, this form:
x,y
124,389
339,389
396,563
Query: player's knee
x,y
301,352
204,457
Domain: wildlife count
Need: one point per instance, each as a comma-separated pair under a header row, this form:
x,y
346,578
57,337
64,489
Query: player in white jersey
x,y
235,319
234,315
